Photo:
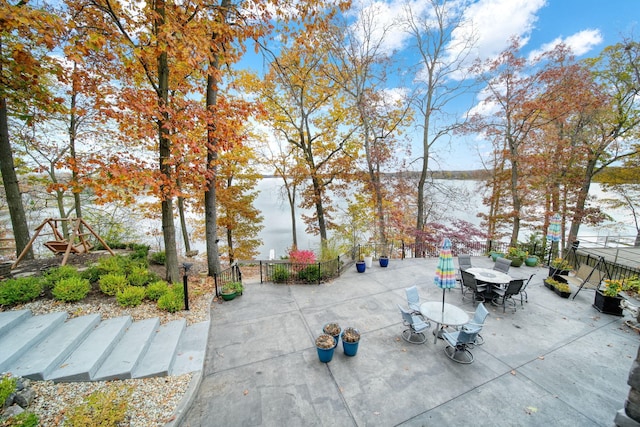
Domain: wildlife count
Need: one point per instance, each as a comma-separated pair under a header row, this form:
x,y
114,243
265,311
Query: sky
x,y
587,26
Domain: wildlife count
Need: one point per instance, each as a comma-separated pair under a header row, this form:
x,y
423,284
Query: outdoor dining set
x,y
452,324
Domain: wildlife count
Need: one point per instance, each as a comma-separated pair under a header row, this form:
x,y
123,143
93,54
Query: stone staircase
x,y
87,348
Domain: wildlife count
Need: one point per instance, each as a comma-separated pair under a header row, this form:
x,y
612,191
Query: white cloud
x,y
579,43
495,22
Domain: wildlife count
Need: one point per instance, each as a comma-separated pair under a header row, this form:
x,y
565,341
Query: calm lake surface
x,y
277,236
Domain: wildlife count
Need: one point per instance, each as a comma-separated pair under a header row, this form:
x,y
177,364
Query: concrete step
x,y
127,354
86,348
191,349
85,360
9,319
160,355
49,353
25,335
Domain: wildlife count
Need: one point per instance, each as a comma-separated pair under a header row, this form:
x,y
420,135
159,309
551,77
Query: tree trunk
x,y
168,226
210,203
183,225
11,186
322,225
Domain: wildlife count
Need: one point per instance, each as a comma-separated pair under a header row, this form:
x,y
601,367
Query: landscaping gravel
x,y
154,400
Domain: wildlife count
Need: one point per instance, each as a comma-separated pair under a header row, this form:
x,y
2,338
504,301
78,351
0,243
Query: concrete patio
x,y
553,362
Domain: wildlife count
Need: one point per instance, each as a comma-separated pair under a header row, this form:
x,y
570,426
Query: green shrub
x,y
140,253
111,284
131,296
19,290
280,274
55,274
115,264
156,289
173,300
7,386
101,408
140,276
310,274
159,258
23,419
71,289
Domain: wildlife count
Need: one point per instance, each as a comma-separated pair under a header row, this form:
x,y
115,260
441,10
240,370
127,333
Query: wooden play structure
x,y
77,243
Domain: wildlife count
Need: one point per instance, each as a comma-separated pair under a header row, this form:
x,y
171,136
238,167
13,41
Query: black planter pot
x,y
607,305
563,294
553,272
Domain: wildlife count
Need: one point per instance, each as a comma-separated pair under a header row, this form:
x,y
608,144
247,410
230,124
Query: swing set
x,y
77,243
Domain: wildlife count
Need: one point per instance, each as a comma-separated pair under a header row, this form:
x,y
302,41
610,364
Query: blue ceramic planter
x,y
384,261
325,354
350,348
361,266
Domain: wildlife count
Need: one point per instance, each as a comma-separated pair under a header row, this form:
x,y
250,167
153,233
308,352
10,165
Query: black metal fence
x,y
283,271
228,275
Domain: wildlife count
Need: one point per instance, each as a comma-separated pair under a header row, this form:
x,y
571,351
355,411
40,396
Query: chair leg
x,y
459,353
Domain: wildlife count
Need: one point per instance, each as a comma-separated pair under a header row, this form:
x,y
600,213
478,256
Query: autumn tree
x,y
306,108
240,221
27,35
360,59
608,134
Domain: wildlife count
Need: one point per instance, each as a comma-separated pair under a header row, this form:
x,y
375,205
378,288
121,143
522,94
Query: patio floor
x,y
553,362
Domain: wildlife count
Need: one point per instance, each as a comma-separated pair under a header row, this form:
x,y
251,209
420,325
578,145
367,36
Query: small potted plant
x,y
237,287
228,292
350,341
325,346
531,260
361,266
383,260
332,329
607,300
559,266
517,256
558,287
495,255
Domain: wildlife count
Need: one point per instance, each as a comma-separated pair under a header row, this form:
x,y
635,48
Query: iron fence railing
x,y
283,271
228,275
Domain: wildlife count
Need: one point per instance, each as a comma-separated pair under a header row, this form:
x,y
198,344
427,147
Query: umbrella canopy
x,y
553,232
446,270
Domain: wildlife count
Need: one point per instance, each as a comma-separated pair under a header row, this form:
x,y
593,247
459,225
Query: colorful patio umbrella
x,y
446,270
553,233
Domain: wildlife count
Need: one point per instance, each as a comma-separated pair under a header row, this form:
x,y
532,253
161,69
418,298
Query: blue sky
x,y
587,26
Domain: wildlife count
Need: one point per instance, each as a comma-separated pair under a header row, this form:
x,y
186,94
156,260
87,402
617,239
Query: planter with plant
x,y
558,287
383,260
607,299
516,255
495,255
531,260
332,329
350,341
361,266
228,292
559,266
325,346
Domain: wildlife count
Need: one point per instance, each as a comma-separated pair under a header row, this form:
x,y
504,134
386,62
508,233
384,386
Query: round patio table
x,y
488,275
450,315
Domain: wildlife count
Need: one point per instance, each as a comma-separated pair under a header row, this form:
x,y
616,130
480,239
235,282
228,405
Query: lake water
x,y
277,238
276,234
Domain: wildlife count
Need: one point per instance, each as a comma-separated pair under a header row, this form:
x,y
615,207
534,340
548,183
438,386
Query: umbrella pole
x,y
443,291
